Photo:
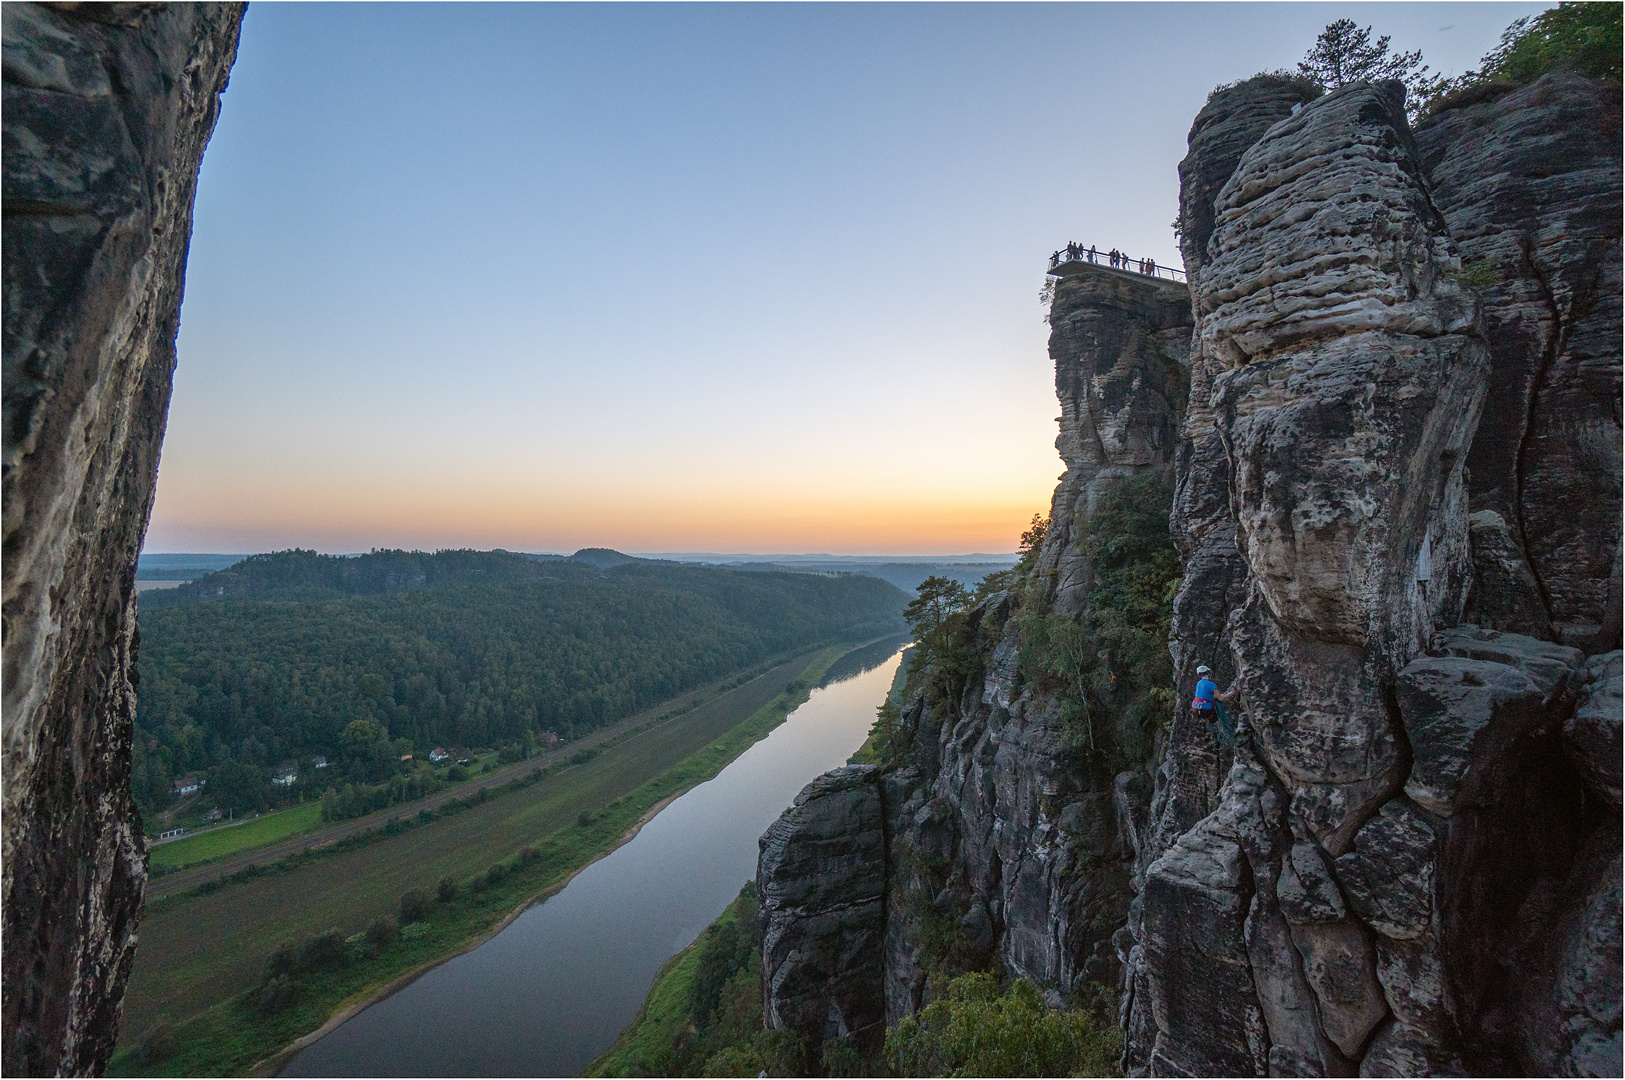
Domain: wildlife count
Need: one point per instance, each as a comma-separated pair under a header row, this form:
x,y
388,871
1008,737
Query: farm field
x,y
218,843
201,950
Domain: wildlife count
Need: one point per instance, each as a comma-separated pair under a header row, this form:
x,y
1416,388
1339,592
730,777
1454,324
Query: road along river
x,y
553,990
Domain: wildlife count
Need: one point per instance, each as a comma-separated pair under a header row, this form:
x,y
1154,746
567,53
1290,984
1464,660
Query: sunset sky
x,y
675,278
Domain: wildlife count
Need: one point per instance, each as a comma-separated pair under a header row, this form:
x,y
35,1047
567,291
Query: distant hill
x,y
905,575
361,660
604,557
307,575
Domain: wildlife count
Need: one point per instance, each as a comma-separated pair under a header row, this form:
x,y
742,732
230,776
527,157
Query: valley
x,y
192,994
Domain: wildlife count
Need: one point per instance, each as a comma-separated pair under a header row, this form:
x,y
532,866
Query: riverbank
x,y
621,786
282,852
275,1064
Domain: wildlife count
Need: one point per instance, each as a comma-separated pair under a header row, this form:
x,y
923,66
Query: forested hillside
x,y
363,660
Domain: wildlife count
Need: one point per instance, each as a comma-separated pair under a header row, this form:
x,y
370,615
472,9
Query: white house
x,y
286,774
187,785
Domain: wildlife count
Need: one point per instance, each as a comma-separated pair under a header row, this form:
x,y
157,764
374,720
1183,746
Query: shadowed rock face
x,y
107,111
1002,843
1529,185
820,876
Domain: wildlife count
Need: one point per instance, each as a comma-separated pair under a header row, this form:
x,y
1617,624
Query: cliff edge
x,y
108,108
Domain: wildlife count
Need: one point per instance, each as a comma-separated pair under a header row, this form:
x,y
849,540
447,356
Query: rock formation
x,y
107,112
1001,838
1529,184
821,965
1397,507
1409,792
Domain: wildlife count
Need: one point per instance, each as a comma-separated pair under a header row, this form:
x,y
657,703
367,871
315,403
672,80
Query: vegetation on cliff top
x,y
1583,37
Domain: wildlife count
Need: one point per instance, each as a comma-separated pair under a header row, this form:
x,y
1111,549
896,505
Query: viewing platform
x,y
1074,259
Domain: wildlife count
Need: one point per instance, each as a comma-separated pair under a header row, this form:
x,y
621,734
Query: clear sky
x,y
673,277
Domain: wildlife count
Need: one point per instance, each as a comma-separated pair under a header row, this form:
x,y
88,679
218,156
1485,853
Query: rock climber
x,y
1205,703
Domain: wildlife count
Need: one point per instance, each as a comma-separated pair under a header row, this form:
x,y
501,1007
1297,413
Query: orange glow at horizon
x,y
564,521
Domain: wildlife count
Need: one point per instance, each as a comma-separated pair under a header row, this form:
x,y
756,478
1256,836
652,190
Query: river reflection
x,y
553,990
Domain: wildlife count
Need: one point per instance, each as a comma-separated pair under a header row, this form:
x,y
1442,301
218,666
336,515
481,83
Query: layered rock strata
x,y
1529,185
1401,428
1410,867
1347,370
107,112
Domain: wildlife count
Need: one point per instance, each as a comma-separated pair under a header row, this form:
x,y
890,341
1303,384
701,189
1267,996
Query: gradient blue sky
x,y
674,277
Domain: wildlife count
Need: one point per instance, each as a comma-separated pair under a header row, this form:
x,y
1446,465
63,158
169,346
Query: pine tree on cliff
x,y
1344,54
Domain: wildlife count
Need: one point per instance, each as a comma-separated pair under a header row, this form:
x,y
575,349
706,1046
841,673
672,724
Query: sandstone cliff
x,y
1403,416
1003,808
107,111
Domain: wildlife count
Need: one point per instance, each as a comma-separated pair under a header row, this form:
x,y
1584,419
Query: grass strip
x,y
236,1035
650,1044
230,839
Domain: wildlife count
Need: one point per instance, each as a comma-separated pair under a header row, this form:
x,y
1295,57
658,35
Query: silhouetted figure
x,y
1091,253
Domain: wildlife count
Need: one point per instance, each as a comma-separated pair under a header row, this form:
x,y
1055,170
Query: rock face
x,y
1003,843
107,111
820,876
1529,185
1408,863
1347,370
1410,797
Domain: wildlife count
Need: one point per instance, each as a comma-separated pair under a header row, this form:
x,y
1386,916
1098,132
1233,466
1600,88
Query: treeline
x,y
295,655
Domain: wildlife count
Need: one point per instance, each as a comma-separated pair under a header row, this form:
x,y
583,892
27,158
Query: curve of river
x,y
552,991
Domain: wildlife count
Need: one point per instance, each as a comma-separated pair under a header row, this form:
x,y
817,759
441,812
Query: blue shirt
x,y
1205,689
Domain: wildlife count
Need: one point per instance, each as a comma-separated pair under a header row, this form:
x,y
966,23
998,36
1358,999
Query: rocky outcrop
x,y
107,112
1120,344
1529,185
820,876
1408,862
1408,807
1348,372
1201,523
1004,840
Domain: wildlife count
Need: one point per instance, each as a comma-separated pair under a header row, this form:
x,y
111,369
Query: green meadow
x,y
218,843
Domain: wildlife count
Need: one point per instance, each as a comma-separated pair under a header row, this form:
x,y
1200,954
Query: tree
x,y
1344,54
973,1030
240,787
1582,36
359,735
939,599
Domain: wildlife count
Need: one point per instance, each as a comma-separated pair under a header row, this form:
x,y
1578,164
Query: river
x,y
552,991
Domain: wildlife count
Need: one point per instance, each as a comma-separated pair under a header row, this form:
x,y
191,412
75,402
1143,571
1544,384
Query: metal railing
x,y
1114,260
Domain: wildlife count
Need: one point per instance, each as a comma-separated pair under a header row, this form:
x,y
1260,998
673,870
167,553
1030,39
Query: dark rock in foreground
x,y
107,111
